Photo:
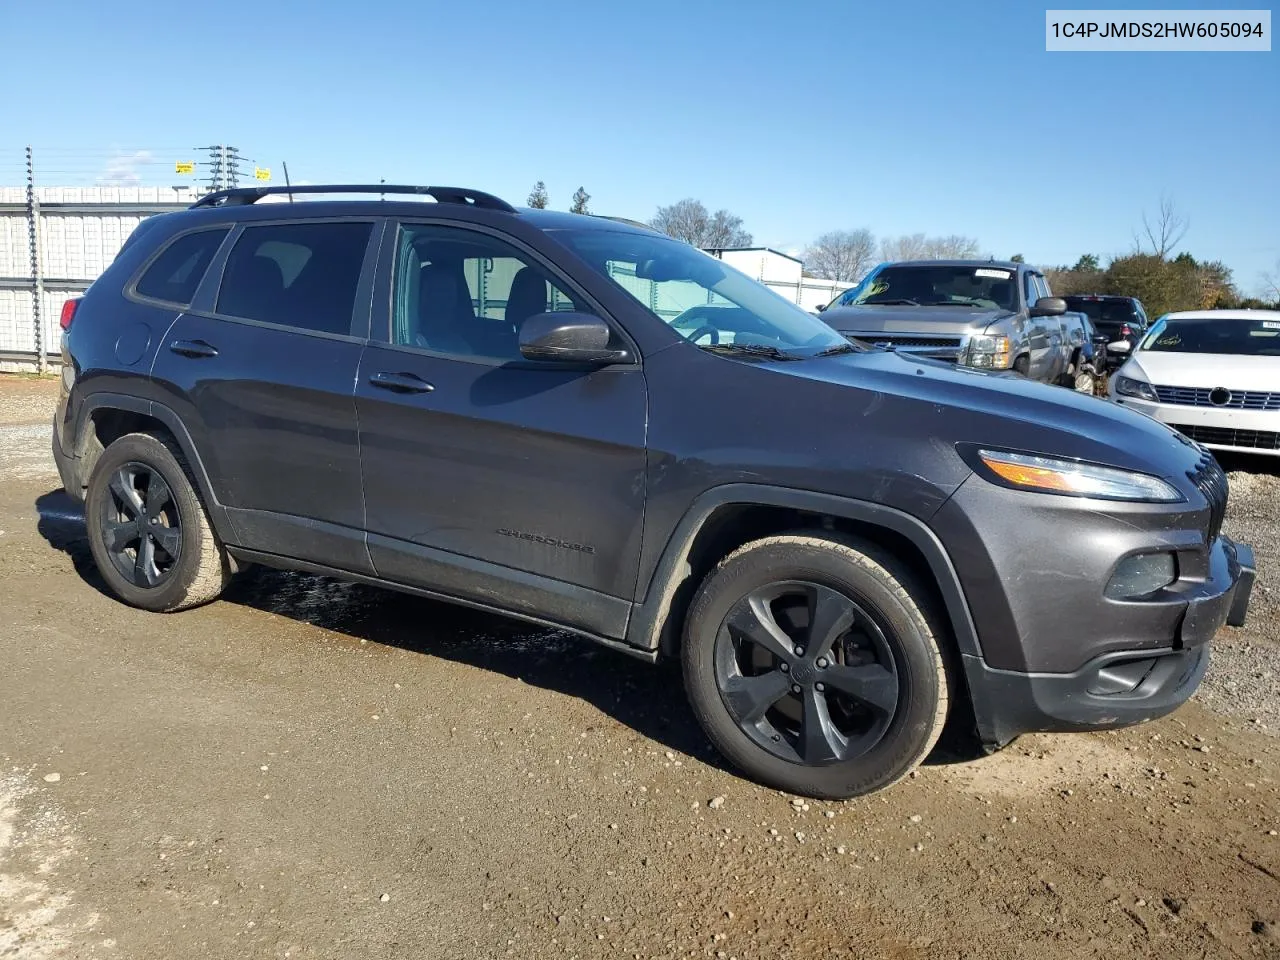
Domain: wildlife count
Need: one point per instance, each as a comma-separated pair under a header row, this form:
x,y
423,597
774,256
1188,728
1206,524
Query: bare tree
x,y
907,247
952,247
1271,283
580,198
916,246
841,255
538,196
688,220
1166,232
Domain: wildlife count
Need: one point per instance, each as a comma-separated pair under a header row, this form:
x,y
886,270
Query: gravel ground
x,y
315,769
1245,667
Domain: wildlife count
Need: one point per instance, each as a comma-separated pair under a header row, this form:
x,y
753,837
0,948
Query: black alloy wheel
x,y
806,672
141,525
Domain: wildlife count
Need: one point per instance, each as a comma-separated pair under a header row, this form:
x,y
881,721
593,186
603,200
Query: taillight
x,y
1125,331
68,313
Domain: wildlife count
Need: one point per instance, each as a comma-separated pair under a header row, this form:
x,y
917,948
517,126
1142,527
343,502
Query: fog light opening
x,y
1142,575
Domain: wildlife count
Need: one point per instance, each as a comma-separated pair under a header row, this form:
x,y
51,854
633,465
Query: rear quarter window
x,y
175,274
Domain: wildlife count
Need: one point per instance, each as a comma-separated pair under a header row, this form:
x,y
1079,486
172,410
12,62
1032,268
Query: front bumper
x,y
1122,687
1219,428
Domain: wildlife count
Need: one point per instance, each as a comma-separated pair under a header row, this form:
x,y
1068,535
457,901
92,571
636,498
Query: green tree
x,y
1017,258
1087,262
538,196
580,198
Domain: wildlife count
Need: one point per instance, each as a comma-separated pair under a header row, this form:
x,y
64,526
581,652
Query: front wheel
x,y
811,663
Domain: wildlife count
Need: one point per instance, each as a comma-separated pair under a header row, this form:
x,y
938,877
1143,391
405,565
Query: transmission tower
x,y
224,166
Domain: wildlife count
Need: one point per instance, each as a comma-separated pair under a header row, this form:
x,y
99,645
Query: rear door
x,y
262,370
487,475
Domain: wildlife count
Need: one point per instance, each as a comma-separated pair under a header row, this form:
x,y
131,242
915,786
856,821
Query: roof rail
x,y
243,196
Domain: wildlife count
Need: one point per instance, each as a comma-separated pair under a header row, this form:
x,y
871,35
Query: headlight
x,y
1049,475
1129,387
991,352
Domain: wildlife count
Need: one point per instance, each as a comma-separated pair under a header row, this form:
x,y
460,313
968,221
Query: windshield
x,y
986,288
703,299
1244,336
1105,313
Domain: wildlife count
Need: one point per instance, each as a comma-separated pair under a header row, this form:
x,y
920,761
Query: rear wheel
x,y
811,664
149,533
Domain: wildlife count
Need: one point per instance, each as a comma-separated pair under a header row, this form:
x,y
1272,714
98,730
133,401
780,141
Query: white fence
x,y
78,232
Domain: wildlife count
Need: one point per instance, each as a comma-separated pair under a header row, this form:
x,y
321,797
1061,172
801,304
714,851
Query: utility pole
x,y
37,264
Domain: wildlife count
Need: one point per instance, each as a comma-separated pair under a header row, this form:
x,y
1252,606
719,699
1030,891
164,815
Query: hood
x,y
1205,370
907,319
998,408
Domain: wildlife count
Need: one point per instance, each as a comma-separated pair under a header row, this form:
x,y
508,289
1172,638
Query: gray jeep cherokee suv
x,y
583,423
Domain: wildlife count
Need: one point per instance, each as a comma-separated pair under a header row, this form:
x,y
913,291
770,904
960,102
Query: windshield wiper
x,y
838,350
750,350
891,303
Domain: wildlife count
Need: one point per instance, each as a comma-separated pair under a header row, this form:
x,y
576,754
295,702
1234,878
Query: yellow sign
x,y
262,173
184,166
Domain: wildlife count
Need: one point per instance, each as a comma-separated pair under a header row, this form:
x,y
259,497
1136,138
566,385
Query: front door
x,y
488,477
262,371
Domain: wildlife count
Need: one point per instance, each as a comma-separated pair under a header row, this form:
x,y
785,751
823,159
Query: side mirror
x,y
566,337
1049,307
821,307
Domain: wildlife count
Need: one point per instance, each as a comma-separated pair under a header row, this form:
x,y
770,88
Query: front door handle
x,y
193,348
400,382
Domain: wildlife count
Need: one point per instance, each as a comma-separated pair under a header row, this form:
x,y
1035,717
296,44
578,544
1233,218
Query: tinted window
x,y
986,288
296,274
1107,314
466,293
176,273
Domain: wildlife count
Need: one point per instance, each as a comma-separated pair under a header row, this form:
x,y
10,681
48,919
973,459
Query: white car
x,y
1213,375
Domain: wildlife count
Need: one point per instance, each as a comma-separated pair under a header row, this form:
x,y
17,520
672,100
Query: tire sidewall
x,y
915,654
152,453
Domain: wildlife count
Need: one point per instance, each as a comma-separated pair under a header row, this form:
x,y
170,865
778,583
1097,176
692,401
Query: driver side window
x,y
466,294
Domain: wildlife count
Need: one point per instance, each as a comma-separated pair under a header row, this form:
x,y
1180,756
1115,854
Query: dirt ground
x,y
312,769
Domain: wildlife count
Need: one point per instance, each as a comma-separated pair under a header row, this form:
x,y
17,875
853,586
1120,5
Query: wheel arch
x,y
722,519
104,417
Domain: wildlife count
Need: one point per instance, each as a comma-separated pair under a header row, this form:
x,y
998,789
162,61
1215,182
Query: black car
x,y
586,424
1119,319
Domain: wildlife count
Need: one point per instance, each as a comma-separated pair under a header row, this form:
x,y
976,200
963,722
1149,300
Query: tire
x,y
182,563
1022,365
883,642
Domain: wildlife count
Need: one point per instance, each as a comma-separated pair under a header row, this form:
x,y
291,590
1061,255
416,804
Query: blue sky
x,y
800,117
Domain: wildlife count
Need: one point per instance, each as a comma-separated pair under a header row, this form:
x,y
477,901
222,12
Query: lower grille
x,y
1210,480
1226,437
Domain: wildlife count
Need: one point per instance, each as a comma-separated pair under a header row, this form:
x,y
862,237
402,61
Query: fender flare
x,y
647,627
106,400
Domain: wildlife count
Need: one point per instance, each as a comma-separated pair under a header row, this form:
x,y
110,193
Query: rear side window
x,y
174,275
301,275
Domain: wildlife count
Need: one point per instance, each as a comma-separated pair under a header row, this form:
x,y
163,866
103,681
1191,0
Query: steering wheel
x,y
702,331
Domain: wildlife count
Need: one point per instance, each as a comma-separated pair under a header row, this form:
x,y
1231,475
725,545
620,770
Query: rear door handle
x,y
400,382
193,348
